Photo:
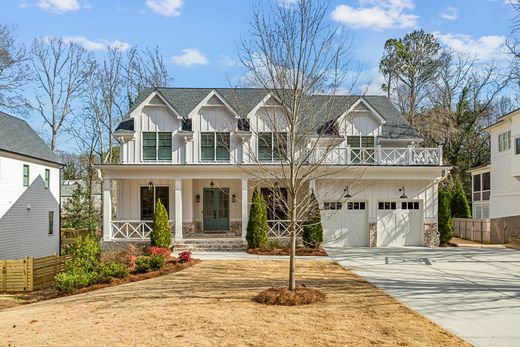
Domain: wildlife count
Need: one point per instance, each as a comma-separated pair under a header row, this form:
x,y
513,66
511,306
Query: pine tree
x,y
78,212
445,223
161,235
257,227
458,201
312,228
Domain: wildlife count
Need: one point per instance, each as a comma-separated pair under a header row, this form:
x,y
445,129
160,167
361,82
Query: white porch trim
x,y
178,210
245,214
107,210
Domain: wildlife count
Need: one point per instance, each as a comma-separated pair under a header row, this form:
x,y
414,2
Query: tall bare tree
x,y
13,71
300,60
60,70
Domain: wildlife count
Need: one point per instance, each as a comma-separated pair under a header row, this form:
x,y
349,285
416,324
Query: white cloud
x,y
189,57
59,6
377,14
227,61
484,48
167,8
99,45
450,13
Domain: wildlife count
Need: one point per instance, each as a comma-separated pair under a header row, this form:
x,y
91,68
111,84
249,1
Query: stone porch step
x,y
210,244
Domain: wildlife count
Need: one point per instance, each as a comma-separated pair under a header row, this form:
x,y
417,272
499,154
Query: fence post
x,y
29,273
4,275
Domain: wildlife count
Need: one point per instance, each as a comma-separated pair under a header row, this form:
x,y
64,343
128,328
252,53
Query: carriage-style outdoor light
x,y
403,196
150,186
233,198
212,184
197,198
347,194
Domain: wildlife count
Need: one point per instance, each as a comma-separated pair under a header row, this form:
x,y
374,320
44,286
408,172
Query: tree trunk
x,y
292,256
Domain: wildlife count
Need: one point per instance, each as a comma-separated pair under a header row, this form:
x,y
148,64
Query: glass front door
x,y
215,209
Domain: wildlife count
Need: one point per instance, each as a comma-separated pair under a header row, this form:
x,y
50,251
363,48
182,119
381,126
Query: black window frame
x,y
51,222
220,144
160,145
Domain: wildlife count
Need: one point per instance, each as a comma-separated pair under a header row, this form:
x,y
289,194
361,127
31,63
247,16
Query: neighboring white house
x,y
496,187
193,148
29,192
68,187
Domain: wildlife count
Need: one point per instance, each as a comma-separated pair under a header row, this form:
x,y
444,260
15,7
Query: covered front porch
x,y
198,206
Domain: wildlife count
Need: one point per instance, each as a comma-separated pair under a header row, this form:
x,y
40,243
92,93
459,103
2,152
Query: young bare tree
x,y
298,58
13,71
60,70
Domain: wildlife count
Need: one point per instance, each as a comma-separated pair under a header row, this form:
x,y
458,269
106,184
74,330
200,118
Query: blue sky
x,y
199,38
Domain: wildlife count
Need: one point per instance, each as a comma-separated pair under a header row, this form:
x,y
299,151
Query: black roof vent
x,y
186,125
243,124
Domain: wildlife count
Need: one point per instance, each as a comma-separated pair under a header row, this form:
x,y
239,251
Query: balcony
x,y
402,156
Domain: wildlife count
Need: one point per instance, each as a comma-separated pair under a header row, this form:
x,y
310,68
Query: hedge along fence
x,y
69,236
29,274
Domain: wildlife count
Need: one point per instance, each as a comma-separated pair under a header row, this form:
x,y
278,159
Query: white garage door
x,y
399,223
345,225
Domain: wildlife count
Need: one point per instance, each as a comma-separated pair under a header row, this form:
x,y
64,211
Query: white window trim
x,y
502,143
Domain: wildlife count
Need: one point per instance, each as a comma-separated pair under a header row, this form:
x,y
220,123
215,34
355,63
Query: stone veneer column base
x,y
188,229
236,227
372,236
431,235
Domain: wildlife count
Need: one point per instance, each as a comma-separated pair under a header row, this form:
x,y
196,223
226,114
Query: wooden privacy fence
x,y
29,274
69,236
478,230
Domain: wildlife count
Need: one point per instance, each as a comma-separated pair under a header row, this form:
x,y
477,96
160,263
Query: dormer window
x,y
214,146
272,146
157,146
504,141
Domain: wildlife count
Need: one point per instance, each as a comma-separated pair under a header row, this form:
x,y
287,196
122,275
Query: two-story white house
x,y
194,149
29,192
496,187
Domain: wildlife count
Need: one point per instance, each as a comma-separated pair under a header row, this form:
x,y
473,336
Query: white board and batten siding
x,y
24,211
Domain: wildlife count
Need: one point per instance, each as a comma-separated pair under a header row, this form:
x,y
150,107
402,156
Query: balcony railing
x,y
379,156
133,230
280,228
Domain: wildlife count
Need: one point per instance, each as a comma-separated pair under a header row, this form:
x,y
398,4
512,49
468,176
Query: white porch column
x,y
244,207
107,210
312,186
178,210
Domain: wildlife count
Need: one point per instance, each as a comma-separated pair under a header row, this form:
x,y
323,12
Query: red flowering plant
x,y
185,257
163,251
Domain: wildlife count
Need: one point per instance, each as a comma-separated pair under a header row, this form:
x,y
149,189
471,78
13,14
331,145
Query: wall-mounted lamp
x,y
276,184
234,198
212,184
197,198
150,186
403,196
347,194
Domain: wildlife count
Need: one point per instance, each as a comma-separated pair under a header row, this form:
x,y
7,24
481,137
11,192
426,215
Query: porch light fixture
x,y
197,198
347,194
212,184
234,198
403,196
150,186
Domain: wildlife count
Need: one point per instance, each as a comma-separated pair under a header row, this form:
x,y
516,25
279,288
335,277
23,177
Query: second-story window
x,y
504,141
272,146
47,182
481,186
517,145
362,148
157,146
214,146
26,175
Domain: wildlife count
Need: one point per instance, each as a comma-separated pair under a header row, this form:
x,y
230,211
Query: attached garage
x,y
399,223
345,224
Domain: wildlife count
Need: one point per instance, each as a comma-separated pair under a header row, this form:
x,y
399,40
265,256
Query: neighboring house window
x,y
517,145
504,141
47,178
51,222
214,145
362,148
157,146
272,146
26,175
332,205
481,186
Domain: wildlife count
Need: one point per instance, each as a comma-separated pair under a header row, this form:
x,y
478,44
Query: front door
x,y
215,209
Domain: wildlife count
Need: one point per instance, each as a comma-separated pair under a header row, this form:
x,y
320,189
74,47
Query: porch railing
x,y
379,155
280,228
133,229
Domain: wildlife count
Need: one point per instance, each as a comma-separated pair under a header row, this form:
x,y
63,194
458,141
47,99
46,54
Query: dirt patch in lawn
x,y
301,251
285,297
210,305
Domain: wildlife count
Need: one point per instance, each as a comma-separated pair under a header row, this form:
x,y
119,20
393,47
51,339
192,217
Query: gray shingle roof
x,y
16,136
243,100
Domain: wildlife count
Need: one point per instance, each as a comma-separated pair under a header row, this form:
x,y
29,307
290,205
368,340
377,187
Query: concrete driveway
x,y
474,293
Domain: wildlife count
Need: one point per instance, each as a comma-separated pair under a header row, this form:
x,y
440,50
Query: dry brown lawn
x,y
210,304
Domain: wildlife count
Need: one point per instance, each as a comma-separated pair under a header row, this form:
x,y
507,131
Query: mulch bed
x,y
285,297
319,252
51,293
